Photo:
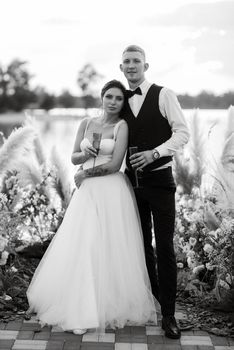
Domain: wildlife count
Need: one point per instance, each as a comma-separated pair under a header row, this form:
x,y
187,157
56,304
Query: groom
x,y
158,128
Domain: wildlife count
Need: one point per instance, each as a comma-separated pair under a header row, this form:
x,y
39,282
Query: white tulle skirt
x,y
93,274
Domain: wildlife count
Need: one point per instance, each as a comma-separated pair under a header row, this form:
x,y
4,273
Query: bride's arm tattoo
x,y
97,171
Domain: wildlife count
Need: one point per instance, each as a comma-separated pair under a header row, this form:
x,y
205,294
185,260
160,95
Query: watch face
x,y
155,155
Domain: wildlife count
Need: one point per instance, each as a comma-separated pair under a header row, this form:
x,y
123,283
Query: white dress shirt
x,y
170,109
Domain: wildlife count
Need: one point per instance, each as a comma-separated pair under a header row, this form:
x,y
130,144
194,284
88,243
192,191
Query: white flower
x,y
192,241
208,248
9,182
179,189
13,269
198,204
4,257
50,216
224,284
20,248
187,217
195,216
213,233
190,203
182,202
186,249
191,262
229,278
196,191
193,227
3,197
190,254
181,229
180,265
178,222
218,232
3,200
3,243
210,267
197,269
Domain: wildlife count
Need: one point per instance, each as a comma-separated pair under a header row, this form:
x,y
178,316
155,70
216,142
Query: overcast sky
x,y
189,44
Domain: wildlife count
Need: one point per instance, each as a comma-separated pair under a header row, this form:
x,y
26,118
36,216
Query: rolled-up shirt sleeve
x,y
170,108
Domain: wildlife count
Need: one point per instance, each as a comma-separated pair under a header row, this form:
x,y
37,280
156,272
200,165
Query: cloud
x,y
207,30
216,15
186,46
59,21
214,45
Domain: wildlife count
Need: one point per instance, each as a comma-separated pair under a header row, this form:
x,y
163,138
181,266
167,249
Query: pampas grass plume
x,y
15,146
61,183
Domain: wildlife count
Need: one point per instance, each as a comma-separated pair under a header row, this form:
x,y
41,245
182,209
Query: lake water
x,y
59,130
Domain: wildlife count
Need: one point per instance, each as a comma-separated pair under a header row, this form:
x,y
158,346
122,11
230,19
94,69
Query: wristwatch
x,y
156,154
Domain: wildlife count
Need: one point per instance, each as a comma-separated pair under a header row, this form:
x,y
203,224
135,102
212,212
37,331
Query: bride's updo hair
x,y
113,84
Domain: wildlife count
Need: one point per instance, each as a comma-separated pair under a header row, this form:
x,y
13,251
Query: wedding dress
x,y
93,274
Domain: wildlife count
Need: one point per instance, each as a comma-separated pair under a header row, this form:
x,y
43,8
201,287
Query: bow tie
x,y
130,93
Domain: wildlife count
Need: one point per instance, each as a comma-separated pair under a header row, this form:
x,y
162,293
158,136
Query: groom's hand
x,y
140,159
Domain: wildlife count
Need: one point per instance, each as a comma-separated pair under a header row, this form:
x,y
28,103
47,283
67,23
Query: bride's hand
x,y
90,151
79,177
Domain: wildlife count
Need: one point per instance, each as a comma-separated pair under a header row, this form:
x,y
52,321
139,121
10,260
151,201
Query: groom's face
x,y
134,66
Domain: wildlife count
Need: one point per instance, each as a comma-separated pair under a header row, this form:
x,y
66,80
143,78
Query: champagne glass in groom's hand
x,y
133,150
97,136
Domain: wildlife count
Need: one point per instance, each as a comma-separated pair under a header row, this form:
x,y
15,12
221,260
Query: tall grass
x,y
189,168
24,153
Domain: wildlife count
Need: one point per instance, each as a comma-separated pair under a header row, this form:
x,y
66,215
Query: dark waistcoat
x,y
149,129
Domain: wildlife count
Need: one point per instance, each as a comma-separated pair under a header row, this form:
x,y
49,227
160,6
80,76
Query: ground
x,y
27,334
199,320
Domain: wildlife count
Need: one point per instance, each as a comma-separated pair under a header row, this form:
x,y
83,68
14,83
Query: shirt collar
x,y
144,86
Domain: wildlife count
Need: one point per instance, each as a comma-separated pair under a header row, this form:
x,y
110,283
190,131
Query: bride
x,y
93,274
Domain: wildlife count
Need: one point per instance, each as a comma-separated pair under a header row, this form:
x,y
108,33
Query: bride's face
x,y
113,101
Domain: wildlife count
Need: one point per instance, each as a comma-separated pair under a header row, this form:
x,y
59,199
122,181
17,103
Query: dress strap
x,y
87,124
116,128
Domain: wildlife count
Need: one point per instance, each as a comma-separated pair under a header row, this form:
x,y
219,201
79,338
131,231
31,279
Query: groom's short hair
x,y
134,48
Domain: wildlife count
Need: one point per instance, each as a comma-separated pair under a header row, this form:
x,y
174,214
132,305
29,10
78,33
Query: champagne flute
x,y
133,150
97,136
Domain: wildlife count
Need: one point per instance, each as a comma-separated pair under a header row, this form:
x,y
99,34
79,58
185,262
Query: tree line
x,y
207,100
16,93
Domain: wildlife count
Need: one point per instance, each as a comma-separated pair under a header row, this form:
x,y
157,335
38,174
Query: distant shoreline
x,y
66,113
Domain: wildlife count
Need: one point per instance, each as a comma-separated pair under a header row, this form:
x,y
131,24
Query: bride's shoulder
x,y
85,123
93,121
122,123
121,126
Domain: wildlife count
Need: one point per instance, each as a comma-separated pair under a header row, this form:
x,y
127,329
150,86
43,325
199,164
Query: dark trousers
x,y
156,202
